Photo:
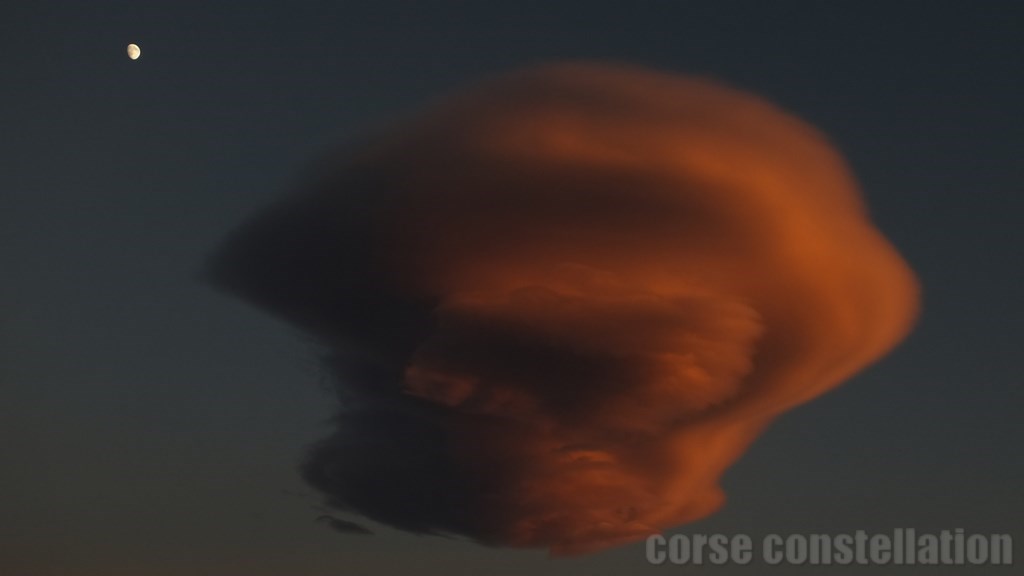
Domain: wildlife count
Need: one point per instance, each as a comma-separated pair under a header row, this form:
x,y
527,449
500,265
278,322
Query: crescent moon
x,y
134,52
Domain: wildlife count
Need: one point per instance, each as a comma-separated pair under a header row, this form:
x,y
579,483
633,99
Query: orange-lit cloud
x,y
561,303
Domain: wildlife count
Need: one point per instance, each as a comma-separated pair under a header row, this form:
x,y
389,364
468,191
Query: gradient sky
x,y
152,425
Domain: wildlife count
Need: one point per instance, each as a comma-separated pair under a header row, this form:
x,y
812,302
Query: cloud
x,y
561,303
343,526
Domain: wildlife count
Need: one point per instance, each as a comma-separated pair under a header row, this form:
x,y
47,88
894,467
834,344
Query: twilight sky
x,y
153,426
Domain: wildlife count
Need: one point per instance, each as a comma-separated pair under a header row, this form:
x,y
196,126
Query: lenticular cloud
x,y
560,303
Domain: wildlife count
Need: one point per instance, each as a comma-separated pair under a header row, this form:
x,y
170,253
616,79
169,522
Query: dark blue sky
x,y
152,426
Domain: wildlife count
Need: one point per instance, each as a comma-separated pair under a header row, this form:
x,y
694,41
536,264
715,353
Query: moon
x,y
134,52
